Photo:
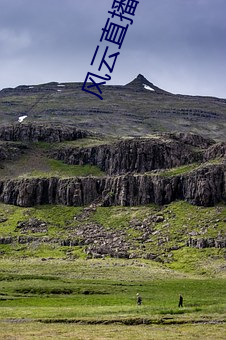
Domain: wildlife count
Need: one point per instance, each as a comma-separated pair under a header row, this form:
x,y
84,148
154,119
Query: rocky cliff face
x,y
11,151
35,133
201,243
205,187
215,151
125,163
131,155
191,139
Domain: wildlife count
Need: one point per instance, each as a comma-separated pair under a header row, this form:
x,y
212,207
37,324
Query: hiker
x,y
139,299
180,301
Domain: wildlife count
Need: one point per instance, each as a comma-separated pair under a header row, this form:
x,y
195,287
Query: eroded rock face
x,y
126,163
205,186
215,151
201,243
35,133
10,151
131,155
192,139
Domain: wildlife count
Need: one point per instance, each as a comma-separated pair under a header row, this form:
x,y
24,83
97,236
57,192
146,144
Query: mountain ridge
x,y
138,108
137,83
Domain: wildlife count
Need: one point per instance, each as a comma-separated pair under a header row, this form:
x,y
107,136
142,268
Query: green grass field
x,y
60,169
38,331
52,291
96,299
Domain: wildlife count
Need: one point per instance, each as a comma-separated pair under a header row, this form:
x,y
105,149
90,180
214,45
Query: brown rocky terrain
x,y
134,168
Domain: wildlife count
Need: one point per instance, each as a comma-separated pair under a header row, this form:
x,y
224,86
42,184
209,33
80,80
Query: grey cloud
x,y
178,44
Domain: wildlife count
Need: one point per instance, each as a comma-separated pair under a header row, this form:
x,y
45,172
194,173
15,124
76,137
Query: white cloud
x,y
177,45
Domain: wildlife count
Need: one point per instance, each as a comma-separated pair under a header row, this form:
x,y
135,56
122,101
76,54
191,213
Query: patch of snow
x,y
59,90
148,87
61,85
21,118
31,87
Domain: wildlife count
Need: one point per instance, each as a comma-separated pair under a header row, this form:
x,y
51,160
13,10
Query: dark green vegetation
x,y
125,111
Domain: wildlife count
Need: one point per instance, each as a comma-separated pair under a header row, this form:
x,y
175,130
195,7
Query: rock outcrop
x,y
98,241
191,139
139,155
11,151
133,170
215,151
37,132
205,186
219,242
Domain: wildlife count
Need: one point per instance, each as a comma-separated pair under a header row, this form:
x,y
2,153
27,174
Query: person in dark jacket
x,y
180,301
139,299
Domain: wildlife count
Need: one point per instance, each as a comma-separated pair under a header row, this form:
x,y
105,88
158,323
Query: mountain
x,y
140,83
138,108
100,199
123,177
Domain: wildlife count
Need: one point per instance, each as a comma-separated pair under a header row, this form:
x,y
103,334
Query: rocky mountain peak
x,y
140,83
141,78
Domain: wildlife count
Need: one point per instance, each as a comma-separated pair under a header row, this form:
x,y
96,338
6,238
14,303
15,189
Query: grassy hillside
x,y
125,111
36,162
179,221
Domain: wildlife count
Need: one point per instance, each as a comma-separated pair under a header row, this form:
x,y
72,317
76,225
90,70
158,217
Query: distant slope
x,y
136,109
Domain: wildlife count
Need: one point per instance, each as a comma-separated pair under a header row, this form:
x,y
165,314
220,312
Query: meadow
x,y
50,291
96,299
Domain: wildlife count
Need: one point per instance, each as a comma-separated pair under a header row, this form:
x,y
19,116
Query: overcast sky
x,y
179,45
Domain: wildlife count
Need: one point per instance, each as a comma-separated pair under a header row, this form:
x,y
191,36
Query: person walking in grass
x,y
139,299
180,301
